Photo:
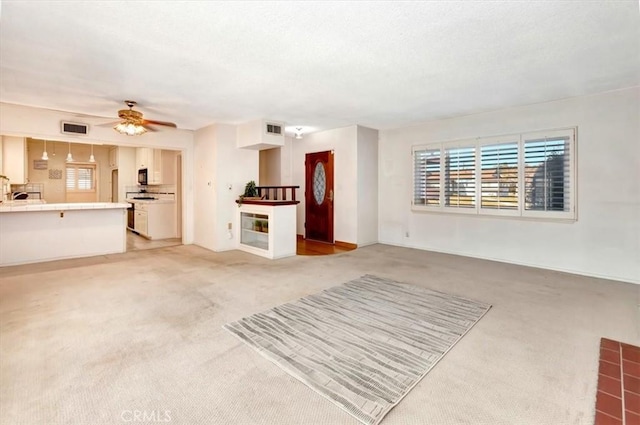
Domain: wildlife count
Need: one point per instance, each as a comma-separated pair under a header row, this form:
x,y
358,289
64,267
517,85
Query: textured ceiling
x,y
317,65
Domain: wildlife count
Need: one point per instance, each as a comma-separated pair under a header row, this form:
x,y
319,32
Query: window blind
x,y
460,177
80,178
499,176
547,174
426,177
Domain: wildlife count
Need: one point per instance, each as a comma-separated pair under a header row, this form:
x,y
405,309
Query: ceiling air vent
x,y
274,129
75,128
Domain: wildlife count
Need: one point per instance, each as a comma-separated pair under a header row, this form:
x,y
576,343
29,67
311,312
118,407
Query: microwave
x,y
143,177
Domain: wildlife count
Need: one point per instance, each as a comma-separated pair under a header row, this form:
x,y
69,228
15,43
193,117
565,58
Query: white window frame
x,y
520,211
78,165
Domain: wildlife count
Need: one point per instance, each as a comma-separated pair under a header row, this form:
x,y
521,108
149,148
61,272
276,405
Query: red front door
x,y
319,196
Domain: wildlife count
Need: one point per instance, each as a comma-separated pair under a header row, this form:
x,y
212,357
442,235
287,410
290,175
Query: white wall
x,y
204,187
39,123
367,186
222,171
604,241
234,168
343,141
270,168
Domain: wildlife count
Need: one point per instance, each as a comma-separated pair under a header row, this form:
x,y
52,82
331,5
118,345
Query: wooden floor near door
x,y
308,247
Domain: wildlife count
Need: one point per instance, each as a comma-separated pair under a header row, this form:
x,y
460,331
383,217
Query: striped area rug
x,y
364,344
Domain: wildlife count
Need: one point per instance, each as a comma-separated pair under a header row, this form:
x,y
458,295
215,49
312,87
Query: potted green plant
x,y
250,192
265,226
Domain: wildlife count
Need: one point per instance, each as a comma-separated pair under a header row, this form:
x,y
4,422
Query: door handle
x,y
331,195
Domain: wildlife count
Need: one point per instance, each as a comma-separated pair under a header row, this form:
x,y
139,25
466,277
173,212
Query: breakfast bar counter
x,y
31,233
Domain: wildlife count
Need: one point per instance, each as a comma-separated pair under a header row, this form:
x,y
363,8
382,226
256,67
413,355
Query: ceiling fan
x,y
133,123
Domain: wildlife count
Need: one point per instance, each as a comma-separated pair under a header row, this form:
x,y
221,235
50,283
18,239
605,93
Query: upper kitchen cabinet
x,y
14,159
151,159
143,157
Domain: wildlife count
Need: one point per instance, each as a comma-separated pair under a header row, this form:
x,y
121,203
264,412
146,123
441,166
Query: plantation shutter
x,y
80,178
460,177
547,162
71,178
499,176
426,177
85,178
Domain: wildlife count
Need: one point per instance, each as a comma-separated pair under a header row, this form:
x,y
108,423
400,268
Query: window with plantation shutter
x,y
548,173
526,175
499,176
460,177
80,178
426,177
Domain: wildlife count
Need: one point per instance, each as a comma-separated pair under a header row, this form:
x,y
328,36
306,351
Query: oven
x,y
131,216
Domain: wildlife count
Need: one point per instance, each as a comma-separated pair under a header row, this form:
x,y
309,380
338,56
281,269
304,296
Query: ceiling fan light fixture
x,y
130,128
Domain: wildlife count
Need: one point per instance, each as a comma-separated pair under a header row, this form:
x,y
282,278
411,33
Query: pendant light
x,y
69,157
45,156
92,158
298,133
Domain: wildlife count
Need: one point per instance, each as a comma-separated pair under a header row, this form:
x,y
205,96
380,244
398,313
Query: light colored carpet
x,y
363,345
87,341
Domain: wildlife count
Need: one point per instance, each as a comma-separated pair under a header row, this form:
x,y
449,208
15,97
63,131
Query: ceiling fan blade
x,y
149,128
164,123
108,124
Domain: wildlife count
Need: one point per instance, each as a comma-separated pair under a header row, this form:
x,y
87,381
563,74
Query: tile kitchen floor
x,y
136,242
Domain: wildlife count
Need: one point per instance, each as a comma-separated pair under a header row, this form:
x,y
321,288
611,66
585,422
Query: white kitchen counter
x,y
44,232
151,201
21,206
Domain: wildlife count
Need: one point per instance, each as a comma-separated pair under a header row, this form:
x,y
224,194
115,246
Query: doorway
x,y
319,196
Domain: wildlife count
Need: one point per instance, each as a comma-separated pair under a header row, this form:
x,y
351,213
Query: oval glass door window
x,y
319,183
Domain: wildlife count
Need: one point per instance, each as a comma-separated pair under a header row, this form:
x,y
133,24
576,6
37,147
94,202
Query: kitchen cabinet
x,y
155,219
151,159
14,159
141,222
268,230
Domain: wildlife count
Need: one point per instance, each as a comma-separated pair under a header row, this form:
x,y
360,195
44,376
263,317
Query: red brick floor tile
x,y
602,419
630,347
631,384
629,353
610,344
610,355
631,402
610,385
609,404
631,418
631,368
609,369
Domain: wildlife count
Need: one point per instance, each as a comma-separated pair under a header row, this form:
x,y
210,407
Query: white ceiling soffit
x,y
317,64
